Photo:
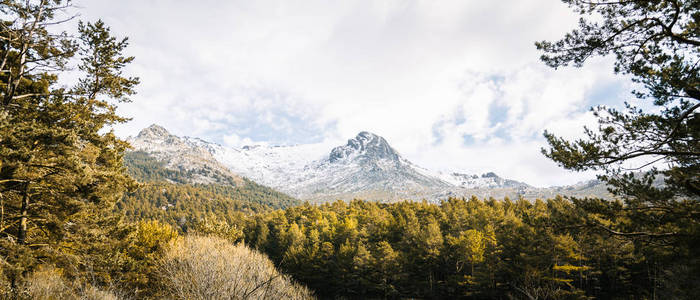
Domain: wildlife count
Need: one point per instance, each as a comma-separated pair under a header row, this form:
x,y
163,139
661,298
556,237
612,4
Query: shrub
x,y
47,283
198,267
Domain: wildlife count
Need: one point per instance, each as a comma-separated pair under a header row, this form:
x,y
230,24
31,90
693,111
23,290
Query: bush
x,y
47,283
197,267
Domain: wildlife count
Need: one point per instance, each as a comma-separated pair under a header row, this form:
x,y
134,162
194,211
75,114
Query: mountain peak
x,y
490,175
154,131
365,145
366,134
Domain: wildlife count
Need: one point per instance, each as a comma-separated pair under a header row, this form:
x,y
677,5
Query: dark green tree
x,y
650,158
60,172
657,43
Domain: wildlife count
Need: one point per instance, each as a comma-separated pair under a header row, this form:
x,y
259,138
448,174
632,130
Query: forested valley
x,y
468,247
82,217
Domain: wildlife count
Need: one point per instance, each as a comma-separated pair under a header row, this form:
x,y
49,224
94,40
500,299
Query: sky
x,y
451,85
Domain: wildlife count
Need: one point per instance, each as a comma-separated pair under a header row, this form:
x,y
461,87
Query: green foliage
x,y
462,249
147,168
165,195
60,172
64,183
102,62
657,43
213,225
140,252
470,245
654,41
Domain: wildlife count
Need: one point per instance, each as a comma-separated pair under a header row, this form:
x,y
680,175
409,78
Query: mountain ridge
x,y
366,166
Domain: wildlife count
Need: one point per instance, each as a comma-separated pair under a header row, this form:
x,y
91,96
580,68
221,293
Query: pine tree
x,y
386,265
60,173
657,43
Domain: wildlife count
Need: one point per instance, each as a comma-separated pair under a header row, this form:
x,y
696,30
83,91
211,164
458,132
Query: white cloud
x,y
233,140
318,71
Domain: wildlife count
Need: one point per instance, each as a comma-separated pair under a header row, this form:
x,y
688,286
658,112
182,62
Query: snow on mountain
x,y
366,167
273,166
367,163
183,154
488,180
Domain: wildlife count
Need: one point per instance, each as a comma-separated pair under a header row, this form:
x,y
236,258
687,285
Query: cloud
x,y
450,84
233,140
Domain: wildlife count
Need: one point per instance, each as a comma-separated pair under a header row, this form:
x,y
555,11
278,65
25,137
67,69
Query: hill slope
x,y
170,195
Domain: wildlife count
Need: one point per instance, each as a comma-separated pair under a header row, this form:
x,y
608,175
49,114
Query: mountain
x,y
487,180
181,184
368,167
365,167
184,156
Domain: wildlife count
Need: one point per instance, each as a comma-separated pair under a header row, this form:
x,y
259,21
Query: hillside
x,y
169,195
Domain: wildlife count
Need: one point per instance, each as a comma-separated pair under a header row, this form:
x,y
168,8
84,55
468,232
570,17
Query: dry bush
x,y
5,285
197,267
48,284
93,293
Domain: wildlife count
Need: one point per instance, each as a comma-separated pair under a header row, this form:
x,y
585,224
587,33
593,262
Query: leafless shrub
x,y
48,284
93,293
197,267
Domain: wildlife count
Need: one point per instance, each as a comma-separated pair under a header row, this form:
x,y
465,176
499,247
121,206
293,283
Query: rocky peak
x,y
154,132
490,175
365,145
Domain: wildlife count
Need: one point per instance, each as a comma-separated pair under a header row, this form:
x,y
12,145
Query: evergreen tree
x,y
517,249
60,173
657,43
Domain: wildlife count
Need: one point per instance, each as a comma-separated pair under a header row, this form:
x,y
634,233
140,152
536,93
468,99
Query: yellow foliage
x,y
568,269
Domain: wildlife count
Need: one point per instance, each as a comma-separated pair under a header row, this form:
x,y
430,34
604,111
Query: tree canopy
x,y
657,44
61,171
466,248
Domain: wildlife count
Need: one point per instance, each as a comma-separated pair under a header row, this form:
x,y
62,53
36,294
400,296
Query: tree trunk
x,y
2,213
22,235
13,83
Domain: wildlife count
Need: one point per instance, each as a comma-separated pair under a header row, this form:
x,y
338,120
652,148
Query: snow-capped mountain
x,y
183,154
488,180
366,167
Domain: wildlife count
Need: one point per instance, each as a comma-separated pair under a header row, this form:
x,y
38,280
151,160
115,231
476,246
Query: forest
x,y
471,248
165,195
474,248
81,217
